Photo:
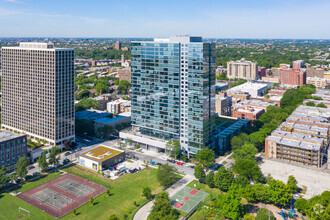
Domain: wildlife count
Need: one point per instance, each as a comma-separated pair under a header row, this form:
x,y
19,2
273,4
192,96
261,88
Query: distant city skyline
x,y
270,19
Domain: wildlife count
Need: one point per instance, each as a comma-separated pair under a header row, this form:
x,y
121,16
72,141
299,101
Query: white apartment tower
x,y
242,69
38,92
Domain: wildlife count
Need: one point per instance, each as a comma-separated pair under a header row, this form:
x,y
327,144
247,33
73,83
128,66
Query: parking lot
x,y
316,181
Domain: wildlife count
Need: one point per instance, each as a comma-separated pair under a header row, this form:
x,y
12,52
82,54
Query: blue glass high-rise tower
x,y
173,91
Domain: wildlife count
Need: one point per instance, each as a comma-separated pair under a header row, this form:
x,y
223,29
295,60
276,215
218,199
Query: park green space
x,y
124,191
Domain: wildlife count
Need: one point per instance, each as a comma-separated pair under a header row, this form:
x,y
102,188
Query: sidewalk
x,y
142,213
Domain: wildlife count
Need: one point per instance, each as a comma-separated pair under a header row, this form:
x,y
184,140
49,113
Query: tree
x,y
279,193
310,103
21,167
75,212
238,141
264,214
206,157
174,147
292,184
302,205
321,105
42,161
230,206
242,181
124,85
223,179
146,192
91,201
87,104
4,180
113,217
210,179
248,151
53,158
162,209
83,94
108,192
249,169
166,175
199,172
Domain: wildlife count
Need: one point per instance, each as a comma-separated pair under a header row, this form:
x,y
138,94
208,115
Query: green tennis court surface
x,y
188,199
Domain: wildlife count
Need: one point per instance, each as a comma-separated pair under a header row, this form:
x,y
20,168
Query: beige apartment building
x,y
124,74
242,69
223,104
317,82
38,92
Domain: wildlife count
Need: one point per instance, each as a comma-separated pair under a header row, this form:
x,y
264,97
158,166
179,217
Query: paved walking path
x,y
142,213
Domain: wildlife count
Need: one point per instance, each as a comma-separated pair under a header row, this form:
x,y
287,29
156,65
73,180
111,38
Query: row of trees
x,y
86,103
101,54
236,182
316,208
22,166
320,105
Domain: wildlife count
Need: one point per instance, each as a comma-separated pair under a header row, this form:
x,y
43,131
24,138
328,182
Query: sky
x,y
275,19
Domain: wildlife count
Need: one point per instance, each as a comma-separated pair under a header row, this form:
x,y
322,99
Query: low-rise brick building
x,y
12,147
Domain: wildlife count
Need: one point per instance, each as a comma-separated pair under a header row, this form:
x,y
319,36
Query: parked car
x,y
35,174
67,153
50,167
179,163
159,164
153,162
9,184
65,161
31,167
192,166
18,180
171,161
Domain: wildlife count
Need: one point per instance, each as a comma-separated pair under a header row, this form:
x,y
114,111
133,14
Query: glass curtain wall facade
x,y
173,91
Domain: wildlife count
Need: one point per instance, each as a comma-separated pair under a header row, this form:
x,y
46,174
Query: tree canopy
x,y
162,209
166,175
21,167
206,157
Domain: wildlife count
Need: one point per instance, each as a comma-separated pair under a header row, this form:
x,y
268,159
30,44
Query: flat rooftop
x,y
7,135
297,136
100,152
249,87
295,143
91,114
296,126
176,39
108,120
36,46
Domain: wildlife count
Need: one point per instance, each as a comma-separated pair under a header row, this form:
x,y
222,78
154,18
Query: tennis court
x,y
60,196
188,199
74,187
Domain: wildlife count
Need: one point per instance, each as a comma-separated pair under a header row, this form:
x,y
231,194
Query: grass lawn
x,y
43,179
88,174
125,191
9,209
9,204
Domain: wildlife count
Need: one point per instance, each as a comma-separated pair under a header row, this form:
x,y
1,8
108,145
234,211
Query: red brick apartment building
x,y
292,77
248,113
